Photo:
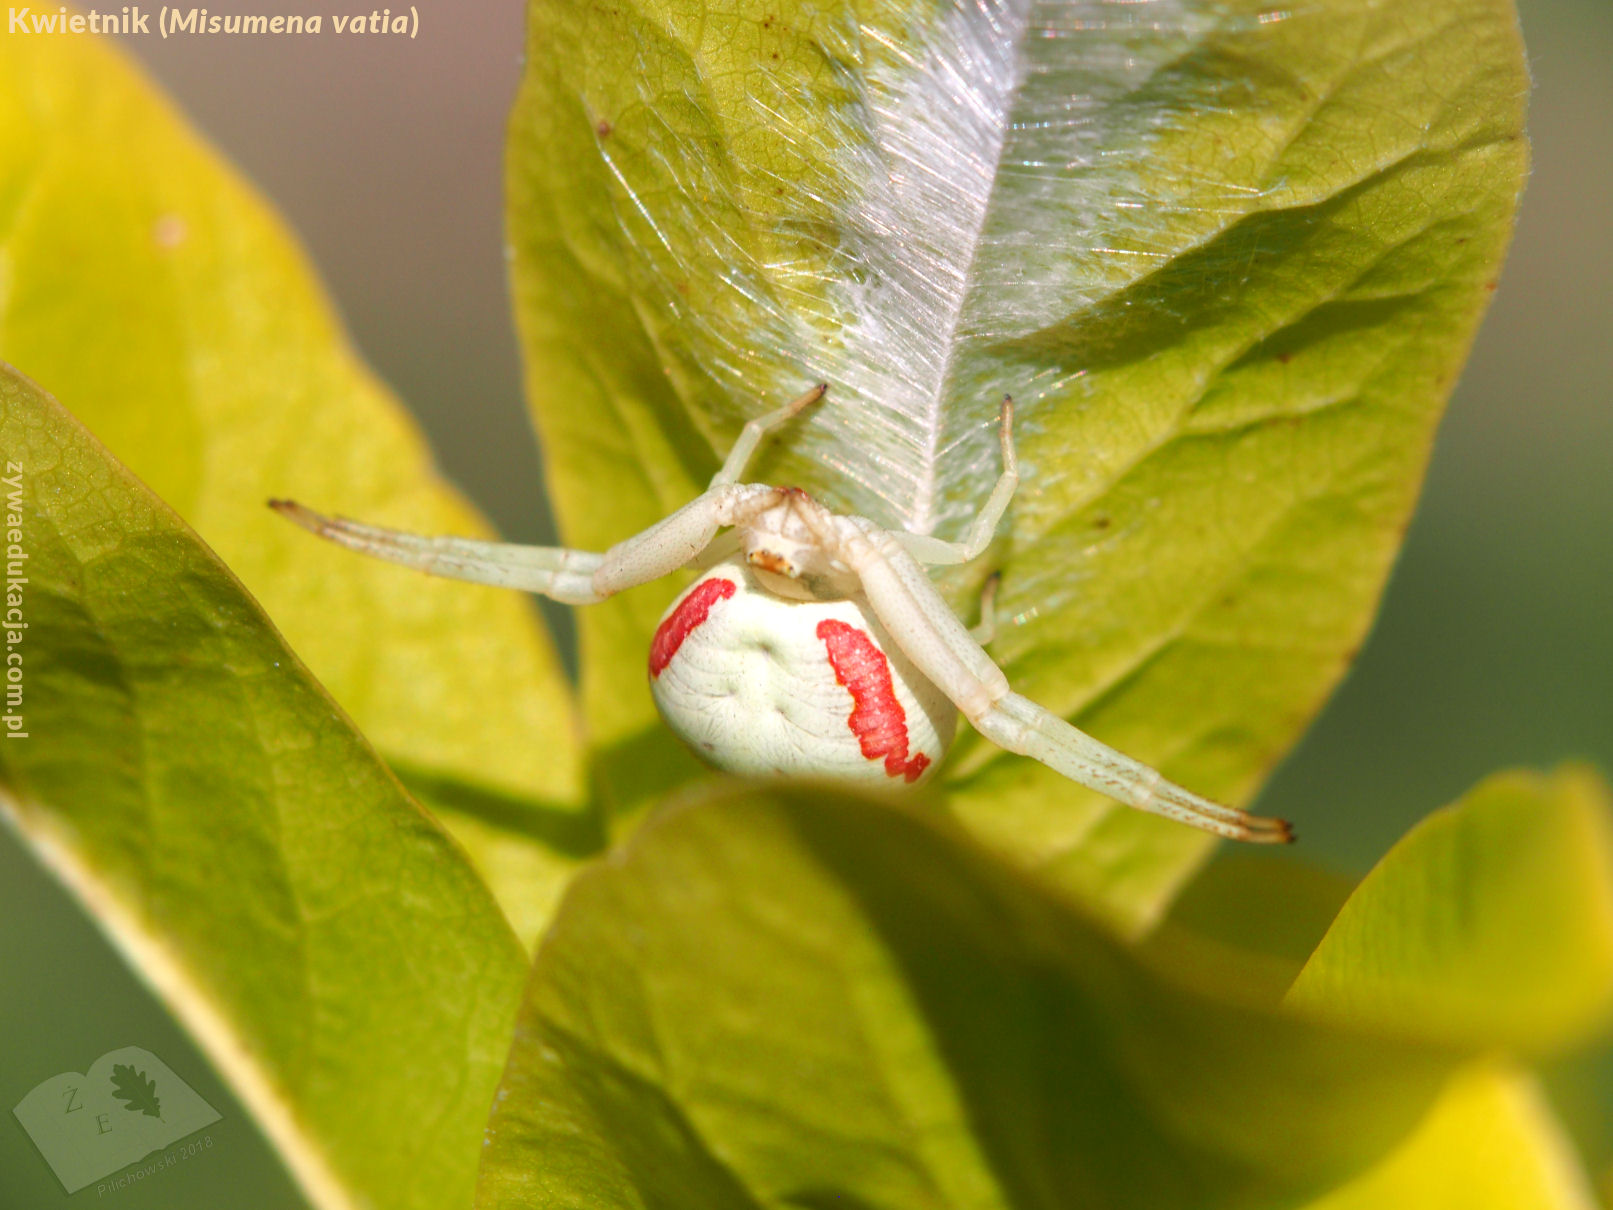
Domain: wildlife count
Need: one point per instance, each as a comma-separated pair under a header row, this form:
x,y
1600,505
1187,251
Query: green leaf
x,y
169,309
785,997
1251,916
138,1094
1489,924
324,941
1227,258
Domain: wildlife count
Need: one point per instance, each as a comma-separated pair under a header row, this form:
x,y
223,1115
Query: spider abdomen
x,y
759,684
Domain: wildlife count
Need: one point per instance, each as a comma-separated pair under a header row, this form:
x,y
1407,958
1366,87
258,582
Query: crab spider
x,y
813,643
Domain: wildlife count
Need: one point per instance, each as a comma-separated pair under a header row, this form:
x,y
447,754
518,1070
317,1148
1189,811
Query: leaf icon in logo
x,y
137,1092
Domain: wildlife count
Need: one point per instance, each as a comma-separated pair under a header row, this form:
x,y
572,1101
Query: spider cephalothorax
x,y
814,643
779,536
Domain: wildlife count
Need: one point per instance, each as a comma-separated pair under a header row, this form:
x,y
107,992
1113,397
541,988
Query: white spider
x,y
814,643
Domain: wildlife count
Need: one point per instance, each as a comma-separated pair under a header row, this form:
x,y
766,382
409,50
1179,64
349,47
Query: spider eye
x,y
771,561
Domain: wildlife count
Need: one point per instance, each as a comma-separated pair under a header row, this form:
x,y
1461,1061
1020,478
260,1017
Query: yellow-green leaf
x,y
168,308
1252,916
1489,1143
1228,259
326,944
1489,924
785,997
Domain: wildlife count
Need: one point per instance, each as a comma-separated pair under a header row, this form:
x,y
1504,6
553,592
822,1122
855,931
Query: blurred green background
x,y
1494,647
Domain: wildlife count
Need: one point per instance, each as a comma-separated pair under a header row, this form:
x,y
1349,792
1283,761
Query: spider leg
x,y
680,538
901,595
565,575
1020,725
935,551
575,577
750,437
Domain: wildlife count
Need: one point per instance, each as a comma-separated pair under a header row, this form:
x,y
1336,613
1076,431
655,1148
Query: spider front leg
x,y
1020,725
679,539
930,635
935,551
750,437
553,571
575,577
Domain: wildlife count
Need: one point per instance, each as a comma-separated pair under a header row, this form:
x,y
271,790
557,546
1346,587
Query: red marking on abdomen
x,y
691,611
877,718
